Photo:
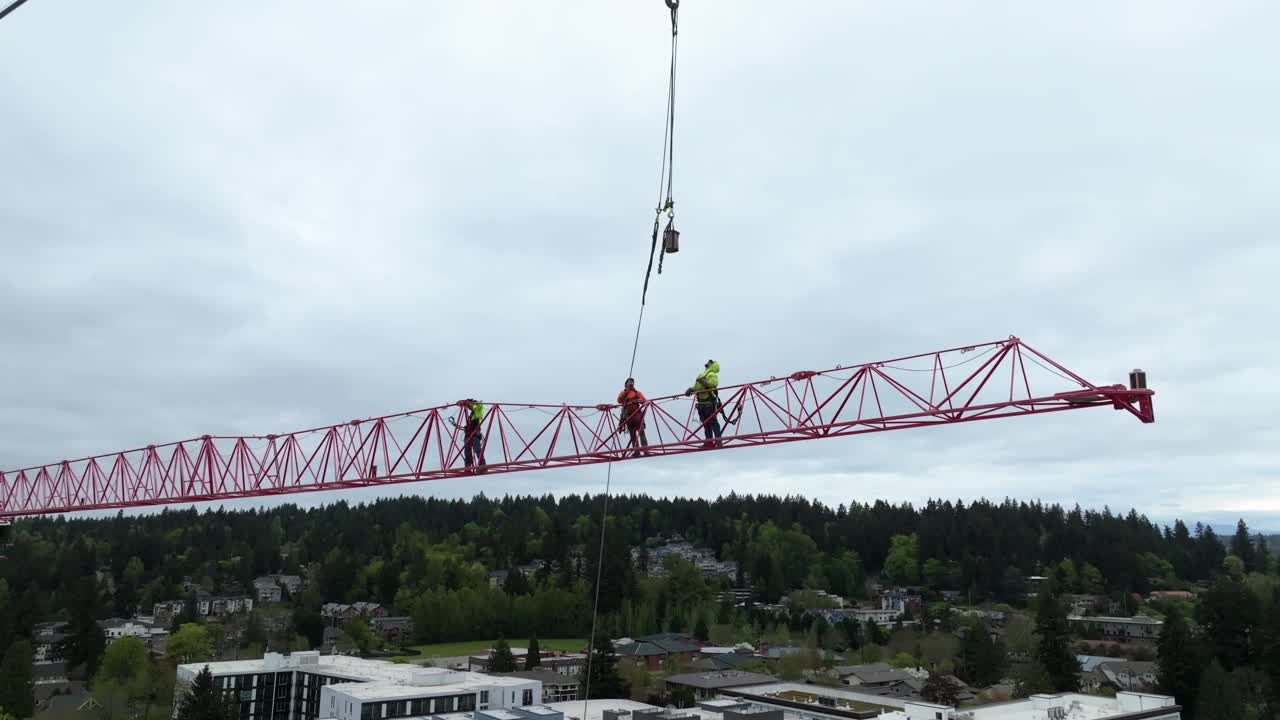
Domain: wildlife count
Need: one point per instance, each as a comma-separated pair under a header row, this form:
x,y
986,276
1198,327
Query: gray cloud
x,y
253,218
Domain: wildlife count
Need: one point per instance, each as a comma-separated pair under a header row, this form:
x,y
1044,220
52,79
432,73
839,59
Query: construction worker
x,y
632,418
708,402
473,442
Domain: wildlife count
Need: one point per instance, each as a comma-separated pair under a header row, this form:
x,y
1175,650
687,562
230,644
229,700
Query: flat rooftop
x,y
845,698
594,709
1074,705
1135,620
361,673
721,679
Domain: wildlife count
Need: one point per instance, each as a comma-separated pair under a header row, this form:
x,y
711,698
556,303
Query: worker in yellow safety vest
x,y
708,402
473,441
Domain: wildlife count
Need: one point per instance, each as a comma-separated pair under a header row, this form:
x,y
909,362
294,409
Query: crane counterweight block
x,y
1000,379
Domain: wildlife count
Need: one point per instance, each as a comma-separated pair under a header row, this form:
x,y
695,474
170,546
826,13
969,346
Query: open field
x,y
471,647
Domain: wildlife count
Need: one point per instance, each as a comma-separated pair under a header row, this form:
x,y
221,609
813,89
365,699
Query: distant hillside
x,y
1273,541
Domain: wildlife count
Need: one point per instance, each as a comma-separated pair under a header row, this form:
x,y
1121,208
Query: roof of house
x,y
640,649
1135,620
48,670
1113,669
671,642
845,670
731,661
884,677
1088,663
546,677
723,679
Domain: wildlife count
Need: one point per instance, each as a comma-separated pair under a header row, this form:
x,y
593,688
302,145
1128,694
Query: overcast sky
x,y
249,217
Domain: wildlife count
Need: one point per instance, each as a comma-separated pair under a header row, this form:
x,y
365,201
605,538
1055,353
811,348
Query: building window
x,y
441,705
527,698
466,703
366,711
421,706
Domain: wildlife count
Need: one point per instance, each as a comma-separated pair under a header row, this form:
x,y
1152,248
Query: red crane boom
x,y
907,392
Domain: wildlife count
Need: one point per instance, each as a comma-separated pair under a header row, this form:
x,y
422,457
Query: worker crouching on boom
x,y
708,402
632,419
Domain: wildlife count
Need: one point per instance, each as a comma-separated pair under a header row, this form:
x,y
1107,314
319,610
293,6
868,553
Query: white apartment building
x,y
1121,628
1066,706
310,686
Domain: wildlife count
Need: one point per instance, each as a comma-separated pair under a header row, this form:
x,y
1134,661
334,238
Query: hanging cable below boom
x,y
666,202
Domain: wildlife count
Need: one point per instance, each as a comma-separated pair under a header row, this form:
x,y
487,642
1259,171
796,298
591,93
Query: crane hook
x,y
673,4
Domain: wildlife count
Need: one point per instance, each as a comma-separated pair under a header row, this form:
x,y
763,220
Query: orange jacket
x,y
631,401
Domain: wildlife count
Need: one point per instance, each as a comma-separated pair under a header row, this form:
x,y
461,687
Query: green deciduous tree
x,y
124,661
935,573
361,635
902,563
191,644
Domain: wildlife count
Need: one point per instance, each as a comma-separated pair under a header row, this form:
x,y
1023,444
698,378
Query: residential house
x,y
267,590
271,588
49,673
900,600
395,630
566,664
1135,676
217,606
651,651
881,679
1172,595
207,606
1085,604
1138,627
166,612
737,596
343,614
556,687
704,558
498,578
48,637
154,635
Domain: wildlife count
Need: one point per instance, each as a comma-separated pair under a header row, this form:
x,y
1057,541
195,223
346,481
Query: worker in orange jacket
x,y
632,419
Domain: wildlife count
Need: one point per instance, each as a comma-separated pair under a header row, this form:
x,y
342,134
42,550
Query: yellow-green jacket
x,y
706,383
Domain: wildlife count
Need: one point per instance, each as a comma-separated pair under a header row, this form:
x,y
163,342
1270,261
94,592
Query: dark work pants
x,y
711,421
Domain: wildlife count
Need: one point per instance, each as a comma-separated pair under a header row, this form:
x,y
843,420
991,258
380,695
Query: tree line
x,y
430,558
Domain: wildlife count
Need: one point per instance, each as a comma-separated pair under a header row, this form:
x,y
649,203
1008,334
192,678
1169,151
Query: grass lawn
x,y
471,647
